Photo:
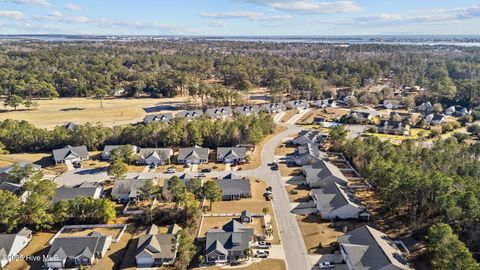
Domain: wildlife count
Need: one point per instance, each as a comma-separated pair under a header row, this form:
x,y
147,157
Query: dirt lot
x,y
269,264
38,246
255,204
256,156
86,231
119,111
218,222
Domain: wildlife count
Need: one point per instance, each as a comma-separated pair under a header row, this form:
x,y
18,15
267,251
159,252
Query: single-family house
x,y
368,248
184,178
189,115
391,104
219,113
156,249
228,243
247,110
435,119
127,189
297,104
393,127
86,189
12,244
346,100
273,107
325,103
234,187
309,154
12,187
162,117
334,202
310,136
70,154
320,174
425,108
6,172
107,150
231,154
193,155
71,126
154,156
362,116
319,121
245,217
458,111
74,251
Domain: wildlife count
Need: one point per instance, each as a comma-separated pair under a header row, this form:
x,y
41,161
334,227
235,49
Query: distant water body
x,y
432,40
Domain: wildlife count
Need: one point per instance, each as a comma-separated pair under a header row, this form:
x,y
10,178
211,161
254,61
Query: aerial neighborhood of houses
x,y
246,194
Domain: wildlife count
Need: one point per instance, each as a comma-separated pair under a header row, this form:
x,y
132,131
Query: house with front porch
x,y
234,187
231,154
155,156
70,154
155,249
322,173
193,155
11,245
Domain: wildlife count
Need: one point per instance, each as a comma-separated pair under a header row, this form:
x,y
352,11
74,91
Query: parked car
x,y
187,166
269,188
268,196
274,166
201,175
262,254
235,263
326,265
206,170
263,245
171,170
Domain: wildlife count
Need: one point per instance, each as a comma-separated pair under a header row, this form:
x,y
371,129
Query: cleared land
x,y
118,111
269,264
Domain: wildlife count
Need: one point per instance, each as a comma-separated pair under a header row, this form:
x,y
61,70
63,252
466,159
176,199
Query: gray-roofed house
x,y
12,244
425,108
192,155
309,154
247,110
310,136
393,127
184,178
70,154
322,173
71,126
127,189
73,251
229,242
273,107
5,172
219,112
435,119
156,249
189,115
155,156
391,104
368,248
107,150
246,217
86,189
335,202
458,111
325,103
234,187
153,118
231,154
297,104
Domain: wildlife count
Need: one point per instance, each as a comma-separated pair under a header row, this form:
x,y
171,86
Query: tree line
x,y
21,136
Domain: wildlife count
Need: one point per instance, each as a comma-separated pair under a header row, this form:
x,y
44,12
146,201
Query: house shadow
x,y
36,259
72,109
125,257
45,162
90,171
159,108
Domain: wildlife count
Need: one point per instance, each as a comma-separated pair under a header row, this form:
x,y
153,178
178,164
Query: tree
x,y
117,169
448,253
18,173
125,153
186,250
61,211
37,205
195,187
10,210
176,188
149,189
190,205
212,192
13,101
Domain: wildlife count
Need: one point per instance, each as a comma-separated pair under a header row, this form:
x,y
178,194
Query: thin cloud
x,y
12,14
73,7
217,24
309,6
44,3
254,16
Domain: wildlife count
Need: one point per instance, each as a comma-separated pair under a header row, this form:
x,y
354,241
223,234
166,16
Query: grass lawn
x,y
255,204
117,255
302,193
268,264
38,246
86,231
283,150
308,117
116,111
315,231
256,156
288,114
286,170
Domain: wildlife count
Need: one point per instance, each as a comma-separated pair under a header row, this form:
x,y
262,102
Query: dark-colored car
x,y
206,170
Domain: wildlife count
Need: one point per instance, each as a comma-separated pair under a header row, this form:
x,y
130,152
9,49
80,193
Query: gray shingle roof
x,y
163,117
232,152
128,187
301,103
318,172
71,193
22,164
160,153
7,241
63,247
367,248
232,236
234,186
272,107
219,112
196,152
333,196
310,136
189,114
77,151
251,109
157,246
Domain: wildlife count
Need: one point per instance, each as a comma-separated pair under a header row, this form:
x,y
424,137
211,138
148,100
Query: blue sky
x,y
240,17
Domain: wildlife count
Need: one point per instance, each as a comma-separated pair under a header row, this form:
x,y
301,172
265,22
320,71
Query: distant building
x,y
219,113
231,154
325,103
297,104
184,178
5,172
156,249
154,156
458,111
247,110
86,189
12,244
70,154
71,126
309,154
193,155
392,104
127,189
393,127
310,136
273,107
234,187
152,118
107,150
435,119
320,174
425,108
189,115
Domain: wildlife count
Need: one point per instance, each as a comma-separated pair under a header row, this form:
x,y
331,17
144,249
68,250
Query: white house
x,y
155,156
12,244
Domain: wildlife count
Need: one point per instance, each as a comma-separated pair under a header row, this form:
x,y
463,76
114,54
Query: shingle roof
x,y
194,152
297,103
22,164
310,136
333,196
71,193
159,153
63,247
7,241
219,112
232,152
250,109
77,151
163,117
234,186
157,246
367,248
232,236
273,107
311,150
128,187
189,114
317,172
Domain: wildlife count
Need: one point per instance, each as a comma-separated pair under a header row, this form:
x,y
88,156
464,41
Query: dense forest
x,y
21,136
169,68
421,187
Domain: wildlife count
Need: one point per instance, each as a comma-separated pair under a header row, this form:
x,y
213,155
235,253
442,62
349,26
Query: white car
x,y
326,265
262,254
263,245
171,170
